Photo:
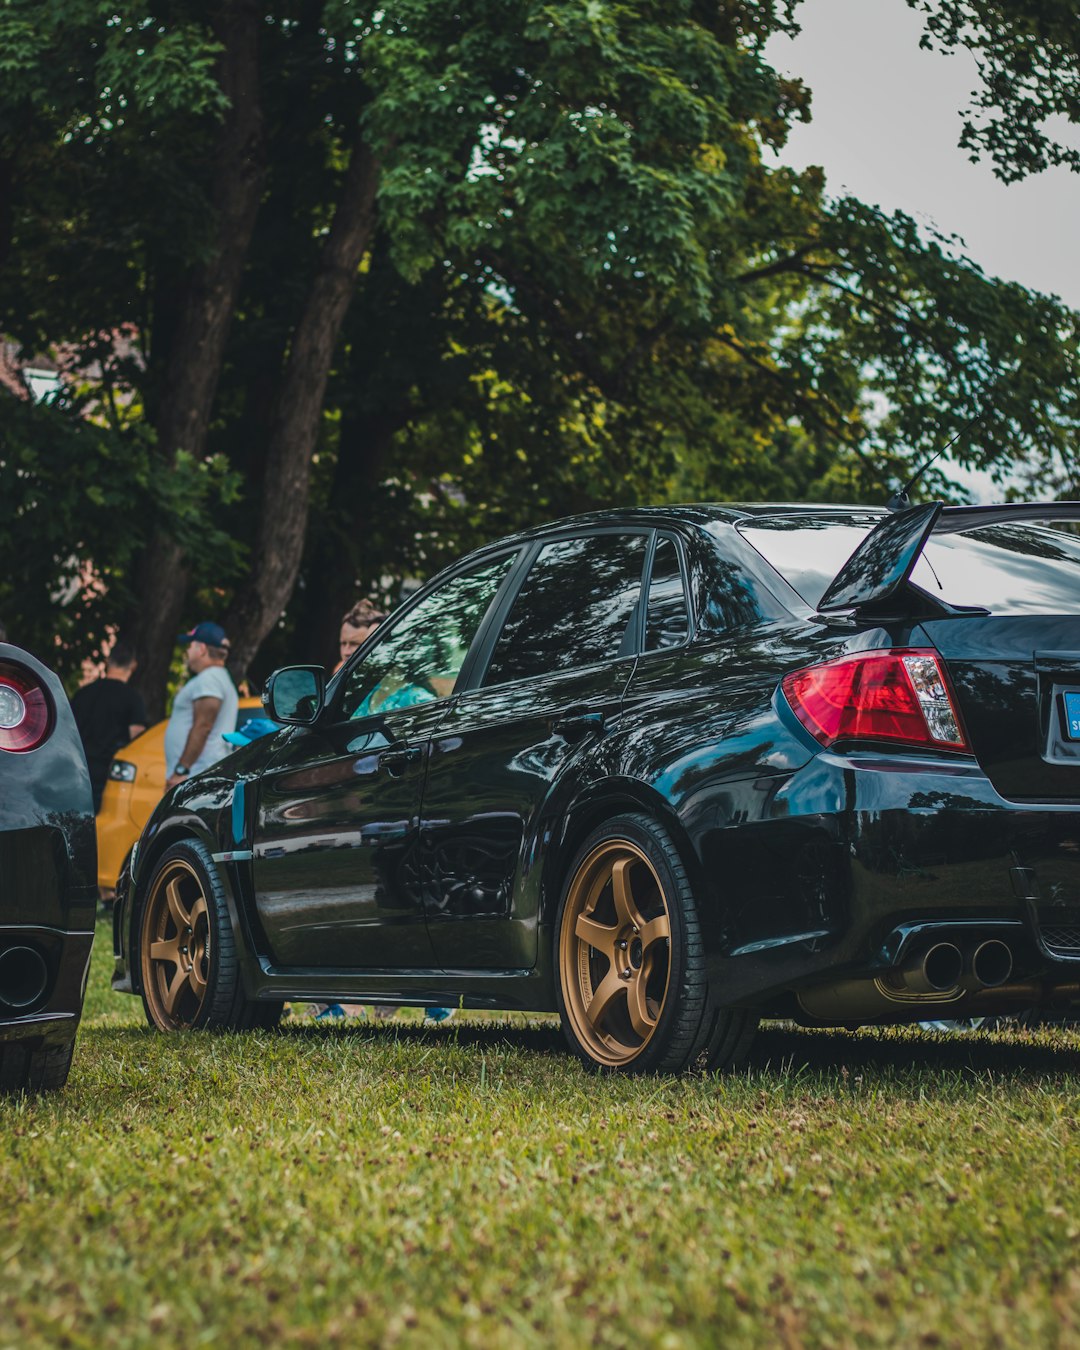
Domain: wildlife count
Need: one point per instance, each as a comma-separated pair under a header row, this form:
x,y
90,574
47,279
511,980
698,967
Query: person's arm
x,y
204,715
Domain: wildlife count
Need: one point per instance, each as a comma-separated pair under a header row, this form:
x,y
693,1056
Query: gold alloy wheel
x,y
615,952
175,947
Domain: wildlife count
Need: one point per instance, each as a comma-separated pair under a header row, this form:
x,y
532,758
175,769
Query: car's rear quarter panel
x,y
806,861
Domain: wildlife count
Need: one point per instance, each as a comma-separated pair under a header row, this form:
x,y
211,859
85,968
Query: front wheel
x,y
632,989
188,965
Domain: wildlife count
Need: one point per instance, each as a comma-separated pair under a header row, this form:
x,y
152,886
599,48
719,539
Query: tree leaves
x,y
1029,60
589,285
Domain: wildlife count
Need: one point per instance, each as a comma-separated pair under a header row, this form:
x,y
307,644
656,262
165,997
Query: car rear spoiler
x,y
879,570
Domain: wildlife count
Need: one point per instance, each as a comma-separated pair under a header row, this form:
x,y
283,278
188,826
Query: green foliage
x,y
77,500
589,284
71,495
1029,62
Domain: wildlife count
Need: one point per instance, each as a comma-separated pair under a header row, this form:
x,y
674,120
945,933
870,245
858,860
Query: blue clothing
x,y
408,696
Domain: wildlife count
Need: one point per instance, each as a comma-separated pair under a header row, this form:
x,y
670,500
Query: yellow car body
x,y
135,785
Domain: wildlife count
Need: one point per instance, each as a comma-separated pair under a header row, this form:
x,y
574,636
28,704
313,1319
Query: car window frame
x,y
470,563
688,598
498,621
725,540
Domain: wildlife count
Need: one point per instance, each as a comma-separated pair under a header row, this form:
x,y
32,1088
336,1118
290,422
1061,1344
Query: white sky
x,y
886,119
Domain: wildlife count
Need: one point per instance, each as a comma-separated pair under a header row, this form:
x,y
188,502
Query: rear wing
x,y
879,570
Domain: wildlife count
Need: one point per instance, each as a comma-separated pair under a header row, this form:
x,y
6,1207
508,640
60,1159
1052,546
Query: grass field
x,y
385,1183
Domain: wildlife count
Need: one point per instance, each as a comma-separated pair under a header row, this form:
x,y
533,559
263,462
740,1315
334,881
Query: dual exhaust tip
x,y
944,966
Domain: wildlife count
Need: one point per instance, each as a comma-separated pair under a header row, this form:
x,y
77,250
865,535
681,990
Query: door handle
x,y
397,761
578,723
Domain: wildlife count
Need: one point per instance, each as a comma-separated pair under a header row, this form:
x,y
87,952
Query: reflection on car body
x,y
675,769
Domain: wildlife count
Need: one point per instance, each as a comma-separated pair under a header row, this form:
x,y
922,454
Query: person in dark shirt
x,y
108,713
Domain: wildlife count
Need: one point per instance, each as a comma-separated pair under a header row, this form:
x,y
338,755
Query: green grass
x,y
385,1183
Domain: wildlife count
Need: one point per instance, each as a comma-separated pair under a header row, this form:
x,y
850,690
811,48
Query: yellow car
x,y
135,786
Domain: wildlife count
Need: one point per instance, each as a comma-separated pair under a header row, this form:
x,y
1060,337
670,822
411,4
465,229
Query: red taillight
x,y
25,709
896,695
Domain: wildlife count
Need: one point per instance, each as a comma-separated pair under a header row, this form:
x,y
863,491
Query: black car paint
x,y
809,866
48,867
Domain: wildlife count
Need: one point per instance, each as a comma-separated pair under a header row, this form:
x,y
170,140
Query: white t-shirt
x,y
213,682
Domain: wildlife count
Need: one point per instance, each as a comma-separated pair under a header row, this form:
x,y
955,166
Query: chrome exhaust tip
x,y
937,968
991,963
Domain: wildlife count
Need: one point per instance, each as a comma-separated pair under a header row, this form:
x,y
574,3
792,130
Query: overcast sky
x,y
886,119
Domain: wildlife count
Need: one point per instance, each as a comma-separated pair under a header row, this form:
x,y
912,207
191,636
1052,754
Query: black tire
x,y
627,898
189,972
41,1069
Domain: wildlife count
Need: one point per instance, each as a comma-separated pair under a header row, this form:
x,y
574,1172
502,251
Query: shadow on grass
x,y
780,1053
535,1038
1018,1055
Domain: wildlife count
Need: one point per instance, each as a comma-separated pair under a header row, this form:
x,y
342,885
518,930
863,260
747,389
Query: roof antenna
x,y
900,501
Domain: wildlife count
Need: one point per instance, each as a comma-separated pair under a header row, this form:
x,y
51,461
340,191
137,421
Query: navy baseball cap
x,y
211,633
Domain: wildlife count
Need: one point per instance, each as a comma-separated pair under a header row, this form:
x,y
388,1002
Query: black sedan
x,y
48,875
666,771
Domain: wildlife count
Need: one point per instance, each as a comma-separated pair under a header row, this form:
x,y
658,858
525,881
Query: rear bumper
x,y
48,895
860,859
53,1017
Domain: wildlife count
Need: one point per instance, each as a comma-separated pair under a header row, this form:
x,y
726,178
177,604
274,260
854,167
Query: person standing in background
x,y
108,714
204,708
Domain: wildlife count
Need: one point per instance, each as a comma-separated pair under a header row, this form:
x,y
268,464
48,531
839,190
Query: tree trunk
x,y
294,434
335,566
198,345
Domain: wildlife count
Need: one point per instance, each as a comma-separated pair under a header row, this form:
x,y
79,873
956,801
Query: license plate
x,y
1072,716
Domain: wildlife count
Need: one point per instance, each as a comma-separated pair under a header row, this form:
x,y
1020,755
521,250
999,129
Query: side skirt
x,y
512,990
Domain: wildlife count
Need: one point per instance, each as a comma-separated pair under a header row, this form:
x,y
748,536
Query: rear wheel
x,y
190,974
632,989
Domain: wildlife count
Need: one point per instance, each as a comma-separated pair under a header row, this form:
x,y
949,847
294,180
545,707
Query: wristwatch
x,y
181,771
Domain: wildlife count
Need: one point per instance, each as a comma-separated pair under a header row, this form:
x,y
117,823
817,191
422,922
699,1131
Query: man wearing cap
x,y
204,708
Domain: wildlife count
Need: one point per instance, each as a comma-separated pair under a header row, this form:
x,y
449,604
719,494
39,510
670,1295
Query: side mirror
x,y
294,695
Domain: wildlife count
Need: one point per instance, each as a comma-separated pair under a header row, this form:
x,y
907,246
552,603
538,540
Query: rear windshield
x,y
1008,569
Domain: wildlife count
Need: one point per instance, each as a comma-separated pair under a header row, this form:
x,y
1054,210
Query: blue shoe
x,y
331,1010
438,1014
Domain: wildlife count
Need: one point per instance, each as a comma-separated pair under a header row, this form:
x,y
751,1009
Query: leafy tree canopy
x,y
1029,62
404,277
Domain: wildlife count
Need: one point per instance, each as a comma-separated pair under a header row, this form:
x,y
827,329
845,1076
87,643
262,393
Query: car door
x,y
334,847
551,672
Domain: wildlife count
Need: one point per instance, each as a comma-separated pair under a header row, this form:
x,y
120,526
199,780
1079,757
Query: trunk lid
x,y
1017,684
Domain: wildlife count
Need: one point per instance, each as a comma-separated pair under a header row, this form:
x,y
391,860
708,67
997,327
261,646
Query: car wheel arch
x,y
603,802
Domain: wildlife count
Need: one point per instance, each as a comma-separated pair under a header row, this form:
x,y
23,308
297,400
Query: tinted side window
x,y
667,622
419,660
573,608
